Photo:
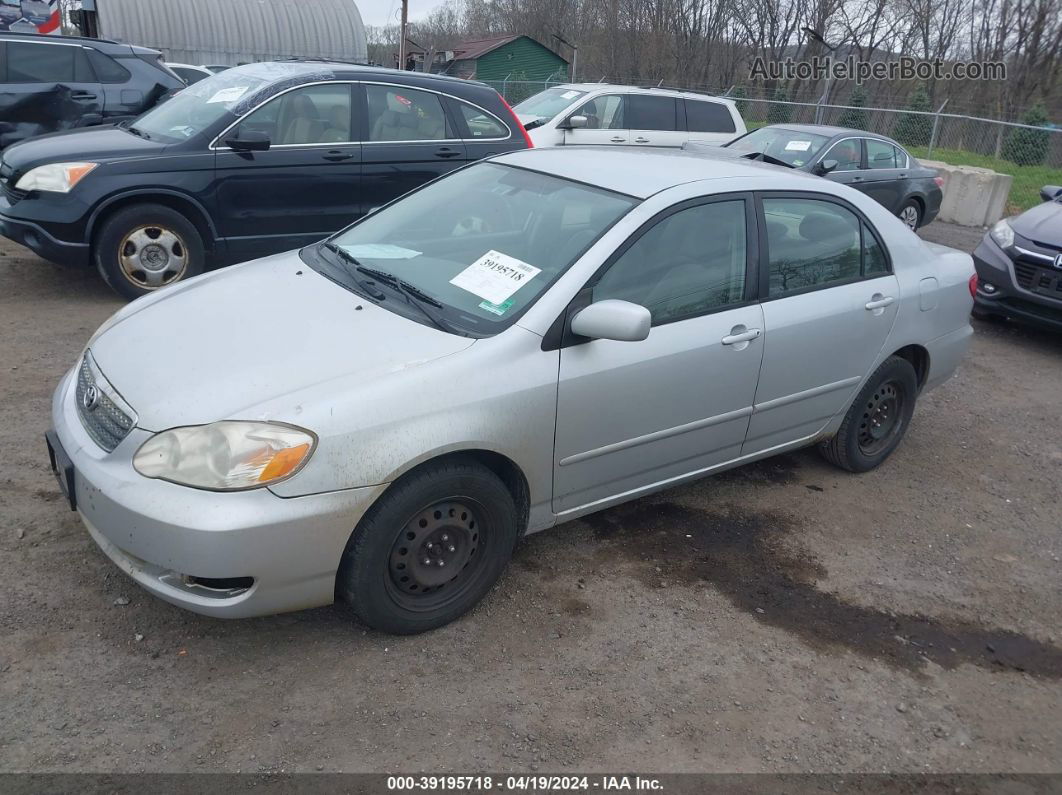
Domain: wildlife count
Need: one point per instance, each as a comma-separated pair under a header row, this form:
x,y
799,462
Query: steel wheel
x,y
909,215
152,257
435,558
882,418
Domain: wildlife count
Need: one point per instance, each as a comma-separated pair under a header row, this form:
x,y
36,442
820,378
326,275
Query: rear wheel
x,y
877,419
147,246
911,214
430,549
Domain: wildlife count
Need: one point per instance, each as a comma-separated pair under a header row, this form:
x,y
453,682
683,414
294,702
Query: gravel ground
x,y
785,616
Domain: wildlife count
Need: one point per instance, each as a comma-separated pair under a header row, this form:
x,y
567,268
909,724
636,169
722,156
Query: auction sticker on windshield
x,y
495,276
798,146
230,94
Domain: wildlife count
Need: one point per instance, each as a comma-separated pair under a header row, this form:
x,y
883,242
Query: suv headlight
x,y
225,456
1003,234
55,177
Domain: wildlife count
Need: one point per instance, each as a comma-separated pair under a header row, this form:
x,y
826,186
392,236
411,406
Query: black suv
x,y
1019,265
50,83
255,160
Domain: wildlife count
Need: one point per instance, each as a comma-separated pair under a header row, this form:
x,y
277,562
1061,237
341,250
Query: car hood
x,y
1041,224
219,345
89,143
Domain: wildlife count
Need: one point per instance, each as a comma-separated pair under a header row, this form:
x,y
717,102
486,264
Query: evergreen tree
x,y
914,129
778,113
855,116
1028,147
738,95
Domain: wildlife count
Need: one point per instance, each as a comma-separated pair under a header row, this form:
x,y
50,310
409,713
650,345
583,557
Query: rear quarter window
x,y
480,124
705,116
107,69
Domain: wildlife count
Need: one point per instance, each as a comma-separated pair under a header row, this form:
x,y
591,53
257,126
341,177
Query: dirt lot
x,y
782,617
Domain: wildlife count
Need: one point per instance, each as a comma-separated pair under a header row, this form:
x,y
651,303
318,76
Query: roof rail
x,y
685,90
46,37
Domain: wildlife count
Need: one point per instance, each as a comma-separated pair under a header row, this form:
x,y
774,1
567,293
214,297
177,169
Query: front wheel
x,y
877,419
144,247
430,548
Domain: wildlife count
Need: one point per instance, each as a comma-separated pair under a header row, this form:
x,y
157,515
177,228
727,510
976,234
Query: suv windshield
x,y
547,104
479,246
197,107
789,146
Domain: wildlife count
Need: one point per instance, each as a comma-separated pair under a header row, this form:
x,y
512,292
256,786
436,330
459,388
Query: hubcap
x,y
152,257
881,418
434,551
909,215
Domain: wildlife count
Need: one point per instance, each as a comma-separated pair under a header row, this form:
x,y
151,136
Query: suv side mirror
x,y
575,122
1050,192
825,167
248,141
612,319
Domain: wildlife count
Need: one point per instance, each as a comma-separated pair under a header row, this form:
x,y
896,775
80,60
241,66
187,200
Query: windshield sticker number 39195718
x,y
495,276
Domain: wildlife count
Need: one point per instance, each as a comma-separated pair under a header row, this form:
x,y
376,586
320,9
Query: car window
x,y
196,108
189,76
311,115
651,113
107,69
795,147
810,243
547,104
689,263
398,113
847,153
480,123
606,112
47,63
875,263
880,154
704,116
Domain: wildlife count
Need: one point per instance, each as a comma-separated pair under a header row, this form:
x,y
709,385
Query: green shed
x,y
515,57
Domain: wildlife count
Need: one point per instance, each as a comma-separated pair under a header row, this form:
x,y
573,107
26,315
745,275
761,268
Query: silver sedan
x,y
379,417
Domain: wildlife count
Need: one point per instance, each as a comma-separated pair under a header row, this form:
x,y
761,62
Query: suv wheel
x,y
147,246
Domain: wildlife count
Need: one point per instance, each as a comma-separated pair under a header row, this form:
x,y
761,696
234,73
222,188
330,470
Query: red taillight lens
x,y
519,126
939,181
973,285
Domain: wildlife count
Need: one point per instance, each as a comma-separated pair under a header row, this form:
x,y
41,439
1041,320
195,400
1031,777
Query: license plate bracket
x,y
62,468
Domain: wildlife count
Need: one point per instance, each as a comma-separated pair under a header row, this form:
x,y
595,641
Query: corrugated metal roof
x,y
237,31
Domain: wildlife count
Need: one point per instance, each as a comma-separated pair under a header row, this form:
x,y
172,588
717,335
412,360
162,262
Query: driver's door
x,y
606,122
631,415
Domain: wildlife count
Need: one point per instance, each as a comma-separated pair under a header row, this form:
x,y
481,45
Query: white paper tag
x,y
797,146
230,94
380,251
569,95
495,276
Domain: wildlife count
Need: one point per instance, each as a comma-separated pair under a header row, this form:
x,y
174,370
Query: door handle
x,y
879,301
857,179
737,336
335,155
640,140
446,151
902,176
617,140
82,95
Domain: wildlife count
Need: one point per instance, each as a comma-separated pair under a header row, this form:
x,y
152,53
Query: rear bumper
x,y
1008,299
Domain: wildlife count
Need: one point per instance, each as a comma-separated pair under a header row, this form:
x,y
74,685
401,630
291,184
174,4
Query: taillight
x,y
973,286
519,126
939,181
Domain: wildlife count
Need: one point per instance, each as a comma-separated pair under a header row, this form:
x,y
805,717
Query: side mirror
x,y
575,122
613,320
248,141
1050,192
825,167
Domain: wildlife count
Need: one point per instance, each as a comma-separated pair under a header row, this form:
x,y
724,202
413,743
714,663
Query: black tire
x,y
877,419
911,212
166,245
383,576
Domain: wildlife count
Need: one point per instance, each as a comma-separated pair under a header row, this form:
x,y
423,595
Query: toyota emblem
x,y
91,398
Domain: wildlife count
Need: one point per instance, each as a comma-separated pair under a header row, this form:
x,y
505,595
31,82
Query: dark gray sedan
x,y
873,164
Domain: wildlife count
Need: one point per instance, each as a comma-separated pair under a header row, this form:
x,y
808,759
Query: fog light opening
x,y
987,288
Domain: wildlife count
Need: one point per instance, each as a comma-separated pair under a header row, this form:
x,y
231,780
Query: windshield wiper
x,y
346,258
413,294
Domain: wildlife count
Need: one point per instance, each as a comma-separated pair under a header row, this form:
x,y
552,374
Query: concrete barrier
x,y
972,196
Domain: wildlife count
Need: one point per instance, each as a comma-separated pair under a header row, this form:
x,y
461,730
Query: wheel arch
x,y
182,203
918,356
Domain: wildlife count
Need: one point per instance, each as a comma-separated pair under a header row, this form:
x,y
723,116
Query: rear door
x,y
409,139
884,180
50,86
304,187
709,121
655,120
606,122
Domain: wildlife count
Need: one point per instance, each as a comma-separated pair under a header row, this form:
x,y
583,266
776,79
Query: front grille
x,y
1025,273
1038,278
104,415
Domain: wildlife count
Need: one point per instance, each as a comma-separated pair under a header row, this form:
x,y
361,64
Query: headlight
x,y
225,456
56,177
1003,234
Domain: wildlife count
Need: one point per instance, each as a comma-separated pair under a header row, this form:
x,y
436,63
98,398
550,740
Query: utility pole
x,y
402,35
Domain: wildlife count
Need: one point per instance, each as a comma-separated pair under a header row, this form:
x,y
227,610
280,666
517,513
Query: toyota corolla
x,y
379,417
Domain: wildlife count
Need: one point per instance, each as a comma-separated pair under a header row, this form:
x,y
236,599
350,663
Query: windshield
x,y
197,107
484,242
547,104
789,146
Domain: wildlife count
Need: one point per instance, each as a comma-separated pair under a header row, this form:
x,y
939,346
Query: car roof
x,y
643,172
832,131
666,91
286,68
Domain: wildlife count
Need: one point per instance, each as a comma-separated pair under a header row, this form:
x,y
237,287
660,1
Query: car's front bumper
x,y
35,237
229,555
1008,298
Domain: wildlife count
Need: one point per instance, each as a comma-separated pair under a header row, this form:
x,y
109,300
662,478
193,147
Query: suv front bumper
x,y
39,239
1010,299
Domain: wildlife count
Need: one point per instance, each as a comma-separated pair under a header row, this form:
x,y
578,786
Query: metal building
x,y
236,31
